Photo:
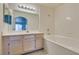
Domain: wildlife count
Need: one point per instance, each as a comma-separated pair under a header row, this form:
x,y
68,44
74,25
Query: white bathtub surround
x,y
67,20
65,45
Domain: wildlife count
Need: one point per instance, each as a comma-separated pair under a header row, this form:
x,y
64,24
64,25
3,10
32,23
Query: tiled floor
x,y
40,52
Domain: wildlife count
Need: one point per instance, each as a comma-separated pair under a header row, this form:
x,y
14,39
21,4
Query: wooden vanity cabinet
x,y
19,44
12,45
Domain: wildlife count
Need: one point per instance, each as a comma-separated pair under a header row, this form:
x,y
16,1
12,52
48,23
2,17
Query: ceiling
x,y
52,5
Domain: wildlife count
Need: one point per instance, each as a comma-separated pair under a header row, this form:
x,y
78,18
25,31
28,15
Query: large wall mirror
x,y
15,20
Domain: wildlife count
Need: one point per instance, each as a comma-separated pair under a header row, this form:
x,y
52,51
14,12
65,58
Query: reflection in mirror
x,y
7,19
20,23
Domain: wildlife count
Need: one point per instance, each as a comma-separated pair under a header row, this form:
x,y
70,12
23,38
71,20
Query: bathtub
x,y
61,45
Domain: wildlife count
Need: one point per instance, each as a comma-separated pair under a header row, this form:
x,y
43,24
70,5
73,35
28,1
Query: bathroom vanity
x,y
20,43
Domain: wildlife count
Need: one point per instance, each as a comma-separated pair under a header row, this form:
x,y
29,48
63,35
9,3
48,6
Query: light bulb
x,y
24,6
33,8
27,7
19,6
68,18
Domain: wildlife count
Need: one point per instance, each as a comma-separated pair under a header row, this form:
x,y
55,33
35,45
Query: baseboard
x,y
32,51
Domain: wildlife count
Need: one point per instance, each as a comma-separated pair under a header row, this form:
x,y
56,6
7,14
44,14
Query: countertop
x,y
21,33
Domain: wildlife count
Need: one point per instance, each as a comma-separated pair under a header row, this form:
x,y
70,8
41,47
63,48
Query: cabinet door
x,y
5,44
15,45
39,43
29,43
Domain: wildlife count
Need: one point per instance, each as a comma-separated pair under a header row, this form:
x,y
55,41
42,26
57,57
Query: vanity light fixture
x,y
26,7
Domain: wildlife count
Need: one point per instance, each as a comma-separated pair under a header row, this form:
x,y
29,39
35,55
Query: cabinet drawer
x,y
5,37
29,36
39,35
15,37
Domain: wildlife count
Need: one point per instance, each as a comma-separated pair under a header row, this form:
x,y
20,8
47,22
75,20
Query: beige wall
x,y
46,20
1,26
67,20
